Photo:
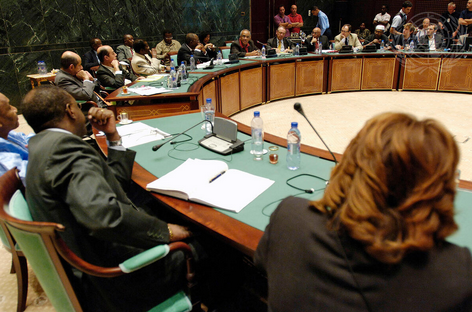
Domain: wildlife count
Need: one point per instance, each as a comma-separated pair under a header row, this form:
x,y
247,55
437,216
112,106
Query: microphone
x,y
211,65
158,146
298,107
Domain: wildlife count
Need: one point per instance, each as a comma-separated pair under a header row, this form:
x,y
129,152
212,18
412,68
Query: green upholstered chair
x,y
44,250
225,51
18,260
228,43
173,57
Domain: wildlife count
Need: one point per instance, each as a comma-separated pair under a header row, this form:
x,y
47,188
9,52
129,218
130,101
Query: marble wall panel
x,y
27,63
33,30
125,18
61,20
3,32
24,22
95,19
8,78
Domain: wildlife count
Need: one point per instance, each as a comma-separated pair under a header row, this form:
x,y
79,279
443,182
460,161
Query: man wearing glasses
x,y
165,46
313,41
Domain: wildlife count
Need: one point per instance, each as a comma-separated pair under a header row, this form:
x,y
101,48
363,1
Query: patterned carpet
x,y
339,116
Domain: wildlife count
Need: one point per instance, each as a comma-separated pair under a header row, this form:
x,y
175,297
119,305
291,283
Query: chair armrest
x,y
145,258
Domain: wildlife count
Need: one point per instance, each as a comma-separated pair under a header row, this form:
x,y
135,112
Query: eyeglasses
x,y
169,38
79,105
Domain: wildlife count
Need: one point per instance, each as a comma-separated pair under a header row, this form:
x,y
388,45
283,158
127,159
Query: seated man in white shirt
x,y
142,63
432,39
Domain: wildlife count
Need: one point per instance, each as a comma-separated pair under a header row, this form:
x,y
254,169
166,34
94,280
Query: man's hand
x,y
115,64
200,47
84,75
376,41
179,232
154,53
104,120
313,40
253,53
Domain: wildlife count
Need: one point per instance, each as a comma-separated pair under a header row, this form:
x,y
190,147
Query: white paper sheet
x,y
139,133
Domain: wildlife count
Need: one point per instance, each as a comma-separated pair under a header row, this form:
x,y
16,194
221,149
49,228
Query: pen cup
x,y
273,154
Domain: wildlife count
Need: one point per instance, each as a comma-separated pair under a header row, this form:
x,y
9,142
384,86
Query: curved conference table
x,y
254,81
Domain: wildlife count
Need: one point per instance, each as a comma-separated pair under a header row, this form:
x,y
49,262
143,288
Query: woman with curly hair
x,y
375,241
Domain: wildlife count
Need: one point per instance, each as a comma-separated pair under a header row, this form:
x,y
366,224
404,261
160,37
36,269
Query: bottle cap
x,y
208,100
172,68
182,63
257,114
191,55
294,124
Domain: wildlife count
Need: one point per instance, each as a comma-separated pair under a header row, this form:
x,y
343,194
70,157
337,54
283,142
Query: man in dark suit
x,y
432,39
71,184
125,51
77,82
315,39
279,42
244,46
90,60
111,73
192,46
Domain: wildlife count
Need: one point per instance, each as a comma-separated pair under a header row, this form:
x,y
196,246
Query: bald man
x,y
13,145
279,42
244,46
111,73
77,82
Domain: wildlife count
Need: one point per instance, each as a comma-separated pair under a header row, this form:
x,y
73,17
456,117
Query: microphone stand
x,y
158,146
298,107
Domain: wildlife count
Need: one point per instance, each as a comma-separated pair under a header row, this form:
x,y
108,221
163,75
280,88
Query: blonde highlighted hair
x,y
394,188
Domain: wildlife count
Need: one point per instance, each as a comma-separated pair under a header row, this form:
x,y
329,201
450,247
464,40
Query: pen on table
x,y
219,175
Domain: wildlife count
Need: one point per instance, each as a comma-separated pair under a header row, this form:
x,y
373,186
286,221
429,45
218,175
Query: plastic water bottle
x,y
412,45
209,112
257,131
192,63
172,63
219,58
263,52
183,72
293,147
382,46
297,50
173,79
320,48
42,67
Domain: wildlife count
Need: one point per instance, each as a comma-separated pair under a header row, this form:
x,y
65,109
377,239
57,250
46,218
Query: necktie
x,y
347,41
280,44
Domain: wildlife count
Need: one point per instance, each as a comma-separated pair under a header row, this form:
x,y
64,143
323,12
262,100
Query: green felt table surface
x,y
257,213
162,82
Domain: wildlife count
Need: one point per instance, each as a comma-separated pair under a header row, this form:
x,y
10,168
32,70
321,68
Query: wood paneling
x,y
230,94
421,73
281,81
251,87
309,77
378,74
346,75
456,75
209,91
140,112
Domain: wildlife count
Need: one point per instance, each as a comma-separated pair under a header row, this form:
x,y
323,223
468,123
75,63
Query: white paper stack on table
x,y
212,183
139,133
